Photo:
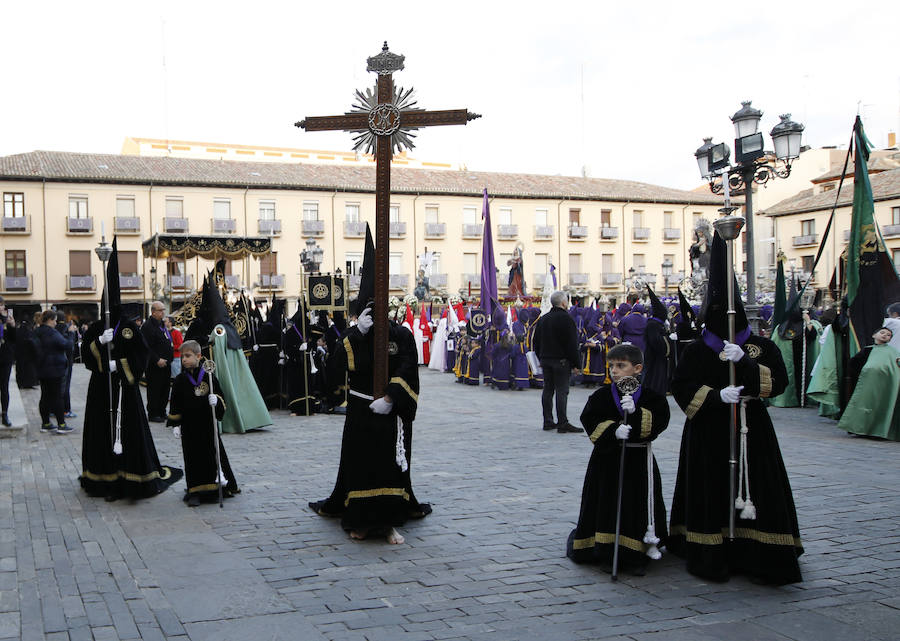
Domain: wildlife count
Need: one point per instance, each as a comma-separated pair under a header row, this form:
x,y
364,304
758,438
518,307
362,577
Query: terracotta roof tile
x,y
85,167
885,186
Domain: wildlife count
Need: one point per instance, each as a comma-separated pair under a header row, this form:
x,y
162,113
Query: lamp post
x,y
630,280
311,257
752,165
666,273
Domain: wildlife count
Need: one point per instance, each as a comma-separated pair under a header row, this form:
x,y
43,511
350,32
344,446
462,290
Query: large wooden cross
x,y
383,121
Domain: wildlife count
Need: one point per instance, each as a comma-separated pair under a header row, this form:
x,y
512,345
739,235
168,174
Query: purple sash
x,y
716,344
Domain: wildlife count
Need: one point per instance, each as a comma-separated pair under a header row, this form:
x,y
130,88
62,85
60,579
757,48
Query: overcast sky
x,y
623,91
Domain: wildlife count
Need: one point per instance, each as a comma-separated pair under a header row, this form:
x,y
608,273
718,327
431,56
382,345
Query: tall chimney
x,y
892,139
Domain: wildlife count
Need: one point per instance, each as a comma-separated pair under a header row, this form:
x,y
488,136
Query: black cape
x,y
136,473
592,539
767,547
657,352
264,363
371,491
192,413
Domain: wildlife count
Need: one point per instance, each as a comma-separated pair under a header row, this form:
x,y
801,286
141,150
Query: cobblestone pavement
x,y
489,563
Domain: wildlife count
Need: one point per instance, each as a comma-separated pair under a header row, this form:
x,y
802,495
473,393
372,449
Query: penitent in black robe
x,y
371,491
136,473
656,357
193,414
592,539
768,547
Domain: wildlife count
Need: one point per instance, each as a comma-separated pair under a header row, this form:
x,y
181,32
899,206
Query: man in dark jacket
x,y
159,365
556,345
7,357
54,353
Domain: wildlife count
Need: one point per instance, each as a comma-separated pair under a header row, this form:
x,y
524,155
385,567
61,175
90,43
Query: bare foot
x,y
394,537
359,535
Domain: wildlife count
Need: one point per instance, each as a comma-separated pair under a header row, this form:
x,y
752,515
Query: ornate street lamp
x,y
752,164
311,257
666,273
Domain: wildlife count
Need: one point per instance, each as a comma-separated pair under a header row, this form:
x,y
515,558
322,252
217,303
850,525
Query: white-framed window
x,y
575,264
637,218
503,258
895,215
394,213
222,208
895,253
432,214
540,263
13,205
574,217
174,207
470,215
540,217
808,227
606,217
78,206
504,216
310,210
607,262
351,212
667,220
639,262
267,210
124,206
436,263
353,262
395,263
470,263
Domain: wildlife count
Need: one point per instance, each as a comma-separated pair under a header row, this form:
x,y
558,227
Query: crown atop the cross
x,y
385,63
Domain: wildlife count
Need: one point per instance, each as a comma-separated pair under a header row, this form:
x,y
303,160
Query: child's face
x,y
882,336
190,360
620,369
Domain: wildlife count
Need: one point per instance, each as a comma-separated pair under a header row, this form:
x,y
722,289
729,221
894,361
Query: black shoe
x,y
549,426
5,420
568,428
157,419
193,500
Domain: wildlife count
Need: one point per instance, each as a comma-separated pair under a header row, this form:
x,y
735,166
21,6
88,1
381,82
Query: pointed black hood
x,y
212,312
367,278
276,312
714,312
113,291
657,309
792,324
687,314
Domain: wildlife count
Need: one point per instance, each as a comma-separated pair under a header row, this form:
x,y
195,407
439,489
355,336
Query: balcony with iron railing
x,y
671,234
312,228
471,279
223,225
577,279
354,229
271,281
539,280
438,281
180,282
889,231
353,281
805,240
578,232
268,226
80,284
640,233
543,232
79,225
611,279
397,230
175,225
507,232
472,230
233,281
609,233
398,281
130,225
16,225
130,283
435,230
16,284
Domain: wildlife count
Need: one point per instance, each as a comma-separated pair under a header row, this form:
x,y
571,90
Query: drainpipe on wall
x,y
415,236
622,235
559,242
247,233
684,230
334,237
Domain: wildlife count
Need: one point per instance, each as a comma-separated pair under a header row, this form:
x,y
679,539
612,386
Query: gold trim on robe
x,y
698,400
717,538
765,381
381,491
600,429
351,362
399,381
646,422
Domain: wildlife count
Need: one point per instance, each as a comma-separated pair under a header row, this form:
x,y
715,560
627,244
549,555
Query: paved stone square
x,y
489,563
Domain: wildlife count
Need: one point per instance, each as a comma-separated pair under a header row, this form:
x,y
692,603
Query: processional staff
x,y
104,251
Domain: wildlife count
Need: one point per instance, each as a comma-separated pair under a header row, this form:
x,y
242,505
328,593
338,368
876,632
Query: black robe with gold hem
x,y
371,491
593,537
768,546
136,473
193,414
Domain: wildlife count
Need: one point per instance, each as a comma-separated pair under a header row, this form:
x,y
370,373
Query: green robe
x,y
824,387
872,411
244,405
791,395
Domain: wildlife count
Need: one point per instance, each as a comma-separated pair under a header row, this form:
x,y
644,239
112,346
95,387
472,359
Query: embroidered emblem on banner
x,y
127,333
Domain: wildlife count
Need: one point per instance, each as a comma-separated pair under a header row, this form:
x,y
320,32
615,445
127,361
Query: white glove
x,y
282,354
623,432
365,322
381,406
112,366
628,404
213,400
106,336
731,394
673,336
176,431
256,348
733,351
281,361
303,347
